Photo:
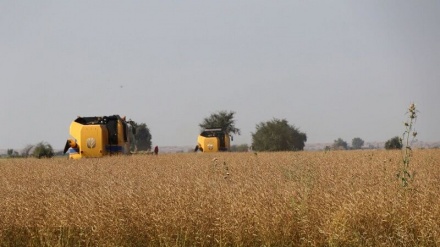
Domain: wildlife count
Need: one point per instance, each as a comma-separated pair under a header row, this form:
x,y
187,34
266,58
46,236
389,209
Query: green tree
x,y
393,143
139,136
340,144
222,119
357,143
278,135
43,149
142,137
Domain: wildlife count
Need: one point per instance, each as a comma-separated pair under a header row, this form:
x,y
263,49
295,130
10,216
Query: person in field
x,y
156,150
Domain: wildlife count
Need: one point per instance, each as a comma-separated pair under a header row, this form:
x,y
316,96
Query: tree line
x,y
358,143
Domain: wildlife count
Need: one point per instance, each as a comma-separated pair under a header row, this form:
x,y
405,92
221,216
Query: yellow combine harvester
x,y
97,137
213,140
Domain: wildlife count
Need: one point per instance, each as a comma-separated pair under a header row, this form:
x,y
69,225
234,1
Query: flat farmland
x,y
337,198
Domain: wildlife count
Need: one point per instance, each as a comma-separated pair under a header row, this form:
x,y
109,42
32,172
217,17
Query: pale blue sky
x,y
331,68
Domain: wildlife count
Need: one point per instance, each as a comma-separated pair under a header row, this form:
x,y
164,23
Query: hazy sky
x,y
331,68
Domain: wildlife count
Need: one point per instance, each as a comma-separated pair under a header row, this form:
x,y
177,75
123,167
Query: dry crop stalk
x,y
404,174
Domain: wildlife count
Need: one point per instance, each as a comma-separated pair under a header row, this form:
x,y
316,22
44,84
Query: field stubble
x,y
340,198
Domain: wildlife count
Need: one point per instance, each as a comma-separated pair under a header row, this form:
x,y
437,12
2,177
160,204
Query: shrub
x,y
393,143
43,149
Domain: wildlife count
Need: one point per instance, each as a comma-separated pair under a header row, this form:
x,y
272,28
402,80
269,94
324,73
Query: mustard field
x,y
336,198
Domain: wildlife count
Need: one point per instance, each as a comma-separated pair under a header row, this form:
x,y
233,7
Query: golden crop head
x,y
412,110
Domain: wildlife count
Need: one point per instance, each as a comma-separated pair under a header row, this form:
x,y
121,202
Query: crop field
x,y
336,198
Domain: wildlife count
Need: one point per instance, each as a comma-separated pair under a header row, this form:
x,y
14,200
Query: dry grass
x,y
341,198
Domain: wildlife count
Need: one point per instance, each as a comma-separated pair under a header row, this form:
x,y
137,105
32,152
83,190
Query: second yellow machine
x,y
97,137
213,140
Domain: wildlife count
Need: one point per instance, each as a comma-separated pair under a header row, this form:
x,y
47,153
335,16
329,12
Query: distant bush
x,y
393,143
340,144
357,143
43,150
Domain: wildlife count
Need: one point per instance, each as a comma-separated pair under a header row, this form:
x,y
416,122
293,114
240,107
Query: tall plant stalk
x,y
407,137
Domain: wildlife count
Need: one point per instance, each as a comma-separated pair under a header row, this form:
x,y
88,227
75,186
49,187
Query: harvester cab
x,y
97,137
213,140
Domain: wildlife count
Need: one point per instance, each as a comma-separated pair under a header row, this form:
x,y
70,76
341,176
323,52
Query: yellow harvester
x,y
213,140
97,137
